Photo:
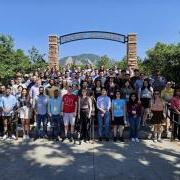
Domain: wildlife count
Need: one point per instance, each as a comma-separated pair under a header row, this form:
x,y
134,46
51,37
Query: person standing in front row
x,y
118,115
54,111
40,108
134,114
69,110
103,106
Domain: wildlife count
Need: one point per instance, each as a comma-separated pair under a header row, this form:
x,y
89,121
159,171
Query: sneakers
x,y
4,137
121,139
159,140
137,140
13,137
24,137
155,140
133,140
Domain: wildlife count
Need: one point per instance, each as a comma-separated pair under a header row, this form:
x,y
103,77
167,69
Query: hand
x,y
61,113
112,118
50,115
74,114
78,116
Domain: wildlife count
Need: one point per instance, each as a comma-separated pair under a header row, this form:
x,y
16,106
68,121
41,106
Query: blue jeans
x,y
134,126
55,124
106,120
43,119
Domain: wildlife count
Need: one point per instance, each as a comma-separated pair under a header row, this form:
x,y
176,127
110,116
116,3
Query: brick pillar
x,y
53,57
131,51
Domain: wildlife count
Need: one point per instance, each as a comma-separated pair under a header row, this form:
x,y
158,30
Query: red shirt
x,y
175,103
69,102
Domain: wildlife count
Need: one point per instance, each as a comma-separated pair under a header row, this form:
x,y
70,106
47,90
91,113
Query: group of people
x,y
69,97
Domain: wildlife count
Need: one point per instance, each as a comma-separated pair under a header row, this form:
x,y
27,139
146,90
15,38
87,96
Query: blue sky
x,y
30,21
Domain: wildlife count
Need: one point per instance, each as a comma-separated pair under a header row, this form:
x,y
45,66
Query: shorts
x,y
119,121
69,118
25,113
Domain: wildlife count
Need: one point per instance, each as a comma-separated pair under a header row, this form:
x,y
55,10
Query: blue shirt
x,y
54,106
118,107
104,102
41,104
8,102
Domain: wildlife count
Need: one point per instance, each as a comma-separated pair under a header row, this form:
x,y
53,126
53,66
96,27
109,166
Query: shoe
x,y
155,140
71,139
121,139
63,139
36,138
4,137
132,139
137,140
13,137
57,139
24,137
107,139
100,138
27,137
159,140
114,139
45,136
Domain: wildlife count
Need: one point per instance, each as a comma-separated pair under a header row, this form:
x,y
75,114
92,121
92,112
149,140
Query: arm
x,y
90,107
98,106
79,107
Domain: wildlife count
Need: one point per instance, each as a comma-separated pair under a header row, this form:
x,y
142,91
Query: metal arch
x,y
93,35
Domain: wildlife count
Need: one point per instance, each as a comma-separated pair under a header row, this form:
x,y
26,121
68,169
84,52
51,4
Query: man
x,y
8,106
54,111
2,93
139,82
40,108
51,88
69,110
135,77
103,106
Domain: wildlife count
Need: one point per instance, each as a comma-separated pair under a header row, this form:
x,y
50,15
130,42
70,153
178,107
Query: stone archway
x,y
131,41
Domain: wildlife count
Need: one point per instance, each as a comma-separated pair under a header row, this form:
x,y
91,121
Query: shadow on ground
x,y
107,161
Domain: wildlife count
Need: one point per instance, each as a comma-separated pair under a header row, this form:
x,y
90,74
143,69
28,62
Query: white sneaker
x,y
132,139
24,137
13,137
4,137
155,140
137,140
27,137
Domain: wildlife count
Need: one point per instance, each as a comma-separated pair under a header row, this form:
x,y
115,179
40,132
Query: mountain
x,y
80,59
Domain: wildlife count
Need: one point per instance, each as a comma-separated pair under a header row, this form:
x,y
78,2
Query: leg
x,y
100,124
107,123
136,129
131,120
44,120
38,125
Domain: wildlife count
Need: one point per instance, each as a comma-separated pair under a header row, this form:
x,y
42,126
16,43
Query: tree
x,y
104,61
166,58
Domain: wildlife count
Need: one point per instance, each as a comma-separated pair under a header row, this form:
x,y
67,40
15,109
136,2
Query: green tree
x,y
104,61
166,58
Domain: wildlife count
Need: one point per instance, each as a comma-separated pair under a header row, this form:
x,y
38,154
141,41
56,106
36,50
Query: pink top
x,y
157,105
175,103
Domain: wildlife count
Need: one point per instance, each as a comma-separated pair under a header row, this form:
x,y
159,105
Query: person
x,y
127,90
8,105
54,111
118,116
51,87
145,94
24,108
40,108
175,105
84,114
103,106
138,83
69,110
157,107
134,114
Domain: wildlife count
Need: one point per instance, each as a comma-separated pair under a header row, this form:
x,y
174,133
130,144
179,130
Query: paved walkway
x,y
42,160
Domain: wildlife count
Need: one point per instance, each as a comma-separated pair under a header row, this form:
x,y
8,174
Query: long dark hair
x,y
131,102
149,85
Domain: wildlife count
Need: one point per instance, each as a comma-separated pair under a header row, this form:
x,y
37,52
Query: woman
x,y
145,95
127,90
157,107
25,112
134,114
118,116
84,114
175,105
97,89
18,94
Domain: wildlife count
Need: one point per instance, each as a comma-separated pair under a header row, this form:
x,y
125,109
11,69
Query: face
x,y
2,89
20,89
178,92
104,92
84,92
19,80
156,94
51,82
69,89
118,95
41,90
133,97
8,92
127,84
24,92
145,83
